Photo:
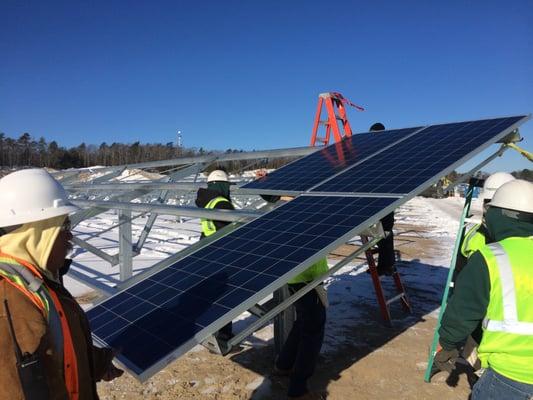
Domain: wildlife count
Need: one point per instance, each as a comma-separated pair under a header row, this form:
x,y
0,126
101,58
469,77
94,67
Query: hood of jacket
x,y
501,226
204,196
33,241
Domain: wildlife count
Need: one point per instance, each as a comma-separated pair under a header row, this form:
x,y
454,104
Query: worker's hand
x,y
445,360
112,373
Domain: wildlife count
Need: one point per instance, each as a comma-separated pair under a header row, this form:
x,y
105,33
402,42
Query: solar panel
x,y
309,171
162,317
421,158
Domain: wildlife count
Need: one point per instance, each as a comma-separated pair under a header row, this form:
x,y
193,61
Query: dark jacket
x,y
33,335
204,196
468,305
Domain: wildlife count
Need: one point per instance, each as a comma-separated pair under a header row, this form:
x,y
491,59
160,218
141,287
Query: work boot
x,y
309,396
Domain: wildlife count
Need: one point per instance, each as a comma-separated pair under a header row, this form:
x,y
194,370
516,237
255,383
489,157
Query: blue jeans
x,y
493,386
302,347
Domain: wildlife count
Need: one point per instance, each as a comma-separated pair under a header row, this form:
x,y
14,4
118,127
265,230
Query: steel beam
x,y
125,244
113,260
219,215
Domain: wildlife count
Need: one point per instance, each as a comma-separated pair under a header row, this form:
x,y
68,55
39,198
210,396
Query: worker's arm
x,y
468,305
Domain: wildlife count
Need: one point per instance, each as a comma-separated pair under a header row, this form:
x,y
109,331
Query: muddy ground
x,y
369,360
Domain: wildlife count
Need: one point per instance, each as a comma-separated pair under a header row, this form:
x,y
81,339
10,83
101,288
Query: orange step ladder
x,y
335,105
384,303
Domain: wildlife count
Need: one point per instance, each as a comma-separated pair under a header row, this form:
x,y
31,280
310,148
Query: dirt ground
x,y
374,361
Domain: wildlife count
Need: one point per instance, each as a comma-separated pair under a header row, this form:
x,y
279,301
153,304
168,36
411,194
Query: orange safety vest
x,y
70,362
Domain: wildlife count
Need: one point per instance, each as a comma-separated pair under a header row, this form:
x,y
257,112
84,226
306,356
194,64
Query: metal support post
x,y
125,245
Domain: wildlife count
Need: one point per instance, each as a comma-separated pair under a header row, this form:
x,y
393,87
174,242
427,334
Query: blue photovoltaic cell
x,y
161,315
309,171
419,158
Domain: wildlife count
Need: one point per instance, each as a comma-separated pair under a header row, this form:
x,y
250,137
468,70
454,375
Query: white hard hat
x,y
493,182
516,195
31,195
218,176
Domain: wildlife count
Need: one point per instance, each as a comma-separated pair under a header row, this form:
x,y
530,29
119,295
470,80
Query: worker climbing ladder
x,y
450,281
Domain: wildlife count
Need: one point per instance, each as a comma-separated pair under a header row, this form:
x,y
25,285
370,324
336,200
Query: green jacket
x,y
468,305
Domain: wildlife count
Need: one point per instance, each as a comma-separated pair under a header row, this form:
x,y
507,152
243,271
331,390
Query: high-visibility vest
x,y
208,226
507,344
28,280
311,273
473,241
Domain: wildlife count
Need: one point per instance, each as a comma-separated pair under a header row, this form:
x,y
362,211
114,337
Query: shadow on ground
x,y
356,328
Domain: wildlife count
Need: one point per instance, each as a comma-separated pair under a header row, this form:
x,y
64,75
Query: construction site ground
x,y
362,357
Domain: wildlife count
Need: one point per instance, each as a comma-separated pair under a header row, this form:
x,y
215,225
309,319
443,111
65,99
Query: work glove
x,y
445,360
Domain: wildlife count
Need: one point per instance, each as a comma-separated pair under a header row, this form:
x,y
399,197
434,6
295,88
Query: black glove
x,y
445,360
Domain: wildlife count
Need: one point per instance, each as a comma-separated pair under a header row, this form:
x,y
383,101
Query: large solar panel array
x,y
419,158
158,318
309,171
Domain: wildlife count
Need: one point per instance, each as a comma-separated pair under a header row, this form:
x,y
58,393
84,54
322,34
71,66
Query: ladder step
x,y
395,298
324,122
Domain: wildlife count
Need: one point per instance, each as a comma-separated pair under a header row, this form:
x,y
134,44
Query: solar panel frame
x,y
201,334
428,182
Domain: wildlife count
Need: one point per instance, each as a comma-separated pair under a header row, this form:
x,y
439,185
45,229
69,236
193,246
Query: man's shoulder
x,y
19,303
224,204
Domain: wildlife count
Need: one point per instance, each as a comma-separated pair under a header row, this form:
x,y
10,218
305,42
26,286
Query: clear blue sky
x,y
246,74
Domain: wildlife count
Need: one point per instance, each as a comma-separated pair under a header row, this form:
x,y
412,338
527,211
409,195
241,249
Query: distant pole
x,y
179,139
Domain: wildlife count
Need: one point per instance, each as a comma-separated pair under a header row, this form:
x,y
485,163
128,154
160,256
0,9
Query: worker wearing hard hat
x,y
496,287
216,196
476,235
46,350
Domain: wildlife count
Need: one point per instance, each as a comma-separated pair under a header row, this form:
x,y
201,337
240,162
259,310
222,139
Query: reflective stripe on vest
x,y
208,226
15,272
510,321
473,241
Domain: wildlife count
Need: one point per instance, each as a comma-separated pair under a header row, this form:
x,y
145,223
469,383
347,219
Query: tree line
x,y
27,151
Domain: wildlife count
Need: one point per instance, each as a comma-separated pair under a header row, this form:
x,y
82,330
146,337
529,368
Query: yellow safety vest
x,y
473,241
311,273
507,344
208,227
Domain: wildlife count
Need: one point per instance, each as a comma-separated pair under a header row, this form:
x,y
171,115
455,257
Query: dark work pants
x,y
302,347
386,253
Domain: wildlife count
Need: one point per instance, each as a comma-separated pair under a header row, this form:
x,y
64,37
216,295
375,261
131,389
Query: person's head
x,y
218,181
511,208
34,211
378,126
493,183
